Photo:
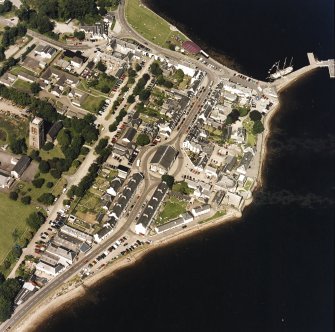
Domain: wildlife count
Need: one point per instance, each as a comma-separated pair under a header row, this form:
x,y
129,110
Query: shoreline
x,y
48,307
53,303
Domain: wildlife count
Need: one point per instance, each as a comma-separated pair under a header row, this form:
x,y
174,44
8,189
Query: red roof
x,y
191,47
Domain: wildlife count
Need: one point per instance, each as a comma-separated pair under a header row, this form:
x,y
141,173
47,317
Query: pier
x,y
314,63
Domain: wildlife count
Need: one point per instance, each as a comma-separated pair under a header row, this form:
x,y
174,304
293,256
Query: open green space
x,y
92,103
11,127
28,189
251,137
16,219
182,188
151,26
171,210
104,83
22,85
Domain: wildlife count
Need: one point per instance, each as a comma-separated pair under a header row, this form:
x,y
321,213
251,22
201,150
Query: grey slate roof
x,y
246,159
153,204
164,156
22,165
130,134
54,130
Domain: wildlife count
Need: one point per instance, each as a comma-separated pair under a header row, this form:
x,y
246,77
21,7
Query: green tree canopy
x,y
255,115
143,139
168,179
258,127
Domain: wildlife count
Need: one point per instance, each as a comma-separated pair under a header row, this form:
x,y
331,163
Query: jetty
x,y
314,63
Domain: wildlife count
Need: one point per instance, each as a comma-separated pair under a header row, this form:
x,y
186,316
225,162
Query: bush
x,y
26,200
46,199
55,173
38,183
13,195
48,146
50,184
44,166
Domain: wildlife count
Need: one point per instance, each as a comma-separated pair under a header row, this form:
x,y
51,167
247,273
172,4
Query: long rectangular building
x,y
150,210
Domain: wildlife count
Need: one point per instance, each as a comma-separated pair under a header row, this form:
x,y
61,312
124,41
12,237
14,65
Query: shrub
x,y
13,195
50,184
26,200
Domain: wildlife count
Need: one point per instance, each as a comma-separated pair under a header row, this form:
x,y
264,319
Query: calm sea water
x,y
273,269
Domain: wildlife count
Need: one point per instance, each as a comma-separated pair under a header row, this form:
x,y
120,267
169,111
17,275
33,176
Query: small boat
x,y
280,72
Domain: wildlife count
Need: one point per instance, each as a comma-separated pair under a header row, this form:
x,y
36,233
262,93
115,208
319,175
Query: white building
x,y
201,210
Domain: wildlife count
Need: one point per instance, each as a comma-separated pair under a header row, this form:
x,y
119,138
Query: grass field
x,y
172,209
22,85
11,221
55,152
92,103
150,25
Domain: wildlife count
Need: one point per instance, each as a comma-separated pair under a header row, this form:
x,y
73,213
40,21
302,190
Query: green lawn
x,y
18,69
9,221
251,138
182,188
27,189
55,152
172,209
150,25
22,85
92,103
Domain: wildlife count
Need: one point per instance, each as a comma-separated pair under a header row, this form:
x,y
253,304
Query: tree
x,y
5,308
38,183
50,184
255,115
79,35
168,84
168,179
131,99
64,137
35,155
243,111
18,146
44,166
46,199
101,66
131,72
143,139
179,75
144,95
48,146
13,195
35,220
84,150
138,67
56,173
26,200
101,145
155,69
113,126
35,88
258,127
232,117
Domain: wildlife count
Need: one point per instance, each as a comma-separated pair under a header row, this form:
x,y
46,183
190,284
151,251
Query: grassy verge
x,y
151,26
11,221
217,214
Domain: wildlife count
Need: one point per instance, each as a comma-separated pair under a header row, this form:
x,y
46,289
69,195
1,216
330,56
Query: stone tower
x,y
36,133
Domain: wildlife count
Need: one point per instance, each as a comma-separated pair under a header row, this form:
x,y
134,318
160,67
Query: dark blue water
x,y
273,269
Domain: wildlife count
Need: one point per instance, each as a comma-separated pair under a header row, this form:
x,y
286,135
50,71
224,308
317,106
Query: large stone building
x,y
36,133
